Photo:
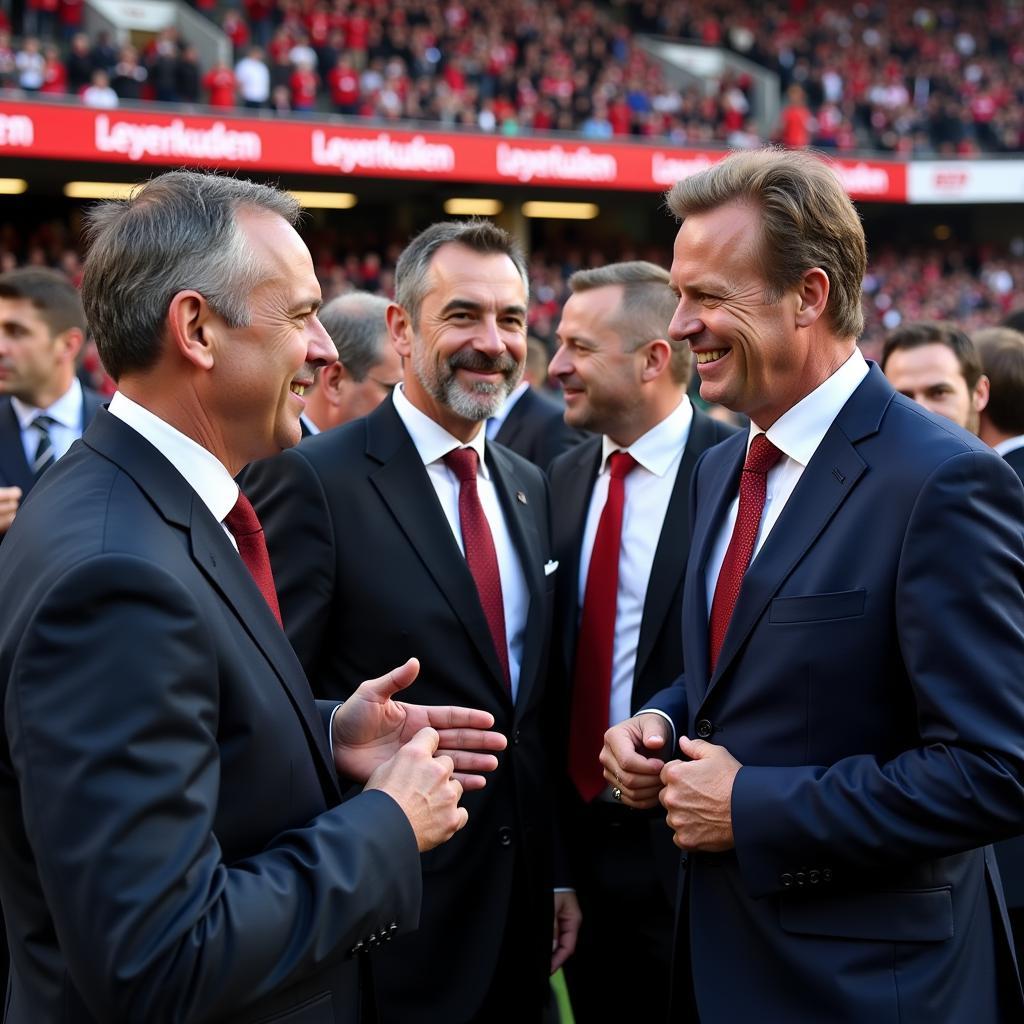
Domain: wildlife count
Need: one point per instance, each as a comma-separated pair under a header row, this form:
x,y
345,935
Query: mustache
x,y
480,363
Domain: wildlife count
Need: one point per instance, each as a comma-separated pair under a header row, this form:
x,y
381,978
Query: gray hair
x,y
178,231
413,269
358,327
647,307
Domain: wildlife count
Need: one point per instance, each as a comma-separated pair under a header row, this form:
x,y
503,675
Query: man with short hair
x,y
409,532
173,845
618,607
935,364
1001,351
851,718
368,367
43,408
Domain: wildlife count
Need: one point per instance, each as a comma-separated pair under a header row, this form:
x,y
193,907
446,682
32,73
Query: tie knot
x,y
762,455
462,462
43,422
620,463
242,520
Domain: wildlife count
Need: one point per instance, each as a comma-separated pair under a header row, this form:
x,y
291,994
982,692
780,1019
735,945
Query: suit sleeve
x,y
289,499
117,757
959,611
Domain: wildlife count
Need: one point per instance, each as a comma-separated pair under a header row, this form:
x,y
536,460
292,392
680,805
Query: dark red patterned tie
x,y
480,553
592,676
753,488
252,546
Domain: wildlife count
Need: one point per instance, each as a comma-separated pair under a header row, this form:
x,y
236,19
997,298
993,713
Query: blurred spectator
x,y
162,65
219,83
129,76
99,93
189,75
30,65
79,63
253,79
55,75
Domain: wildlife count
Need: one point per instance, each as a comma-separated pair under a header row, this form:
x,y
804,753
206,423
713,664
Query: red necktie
x,y
592,676
252,546
753,486
481,556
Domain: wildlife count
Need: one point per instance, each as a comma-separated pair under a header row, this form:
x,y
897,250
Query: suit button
x,y
704,729
357,948
515,738
801,878
787,880
826,874
814,876
505,835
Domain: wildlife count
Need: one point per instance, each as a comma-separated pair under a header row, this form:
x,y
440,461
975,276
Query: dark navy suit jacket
x,y
871,682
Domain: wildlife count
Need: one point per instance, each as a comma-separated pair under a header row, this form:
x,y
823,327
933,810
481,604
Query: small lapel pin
x,y
521,497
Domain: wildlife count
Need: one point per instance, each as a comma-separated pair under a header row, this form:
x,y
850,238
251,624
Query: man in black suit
x,y
383,542
623,379
1001,425
43,407
530,422
368,367
172,841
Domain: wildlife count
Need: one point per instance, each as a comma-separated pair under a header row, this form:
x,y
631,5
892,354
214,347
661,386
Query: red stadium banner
x,y
296,145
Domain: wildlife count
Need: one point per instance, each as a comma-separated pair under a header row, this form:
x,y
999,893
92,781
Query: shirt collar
x,y
432,441
798,432
206,474
657,449
502,414
1011,444
66,411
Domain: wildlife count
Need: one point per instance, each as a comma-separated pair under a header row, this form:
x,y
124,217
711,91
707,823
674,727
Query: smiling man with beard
x,y
408,531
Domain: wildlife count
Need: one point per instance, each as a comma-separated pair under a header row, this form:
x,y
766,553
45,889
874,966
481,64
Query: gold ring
x,y
616,793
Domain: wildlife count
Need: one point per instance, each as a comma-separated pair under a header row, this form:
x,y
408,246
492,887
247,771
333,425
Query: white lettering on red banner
x,y
381,153
667,170
555,163
177,141
16,130
863,179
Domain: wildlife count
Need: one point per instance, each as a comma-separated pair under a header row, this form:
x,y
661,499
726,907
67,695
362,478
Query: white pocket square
x,y
550,567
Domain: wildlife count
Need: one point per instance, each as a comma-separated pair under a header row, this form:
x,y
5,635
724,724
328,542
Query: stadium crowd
x,y
903,77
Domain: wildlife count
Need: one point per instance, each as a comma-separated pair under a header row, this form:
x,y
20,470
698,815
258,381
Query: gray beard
x,y
477,403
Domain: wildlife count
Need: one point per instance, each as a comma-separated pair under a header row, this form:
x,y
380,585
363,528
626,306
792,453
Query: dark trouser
x,y
622,966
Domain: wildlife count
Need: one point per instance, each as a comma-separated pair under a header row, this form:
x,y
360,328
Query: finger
x,y
470,782
472,739
694,749
466,761
387,685
652,729
426,740
444,761
449,716
463,817
626,761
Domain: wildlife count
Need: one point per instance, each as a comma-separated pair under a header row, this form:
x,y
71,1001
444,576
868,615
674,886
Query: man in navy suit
x,y
624,379
851,717
43,407
173,845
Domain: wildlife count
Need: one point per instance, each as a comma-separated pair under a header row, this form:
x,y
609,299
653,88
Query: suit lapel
x,y
14,469
92,402
405,488
570,522
522,527
218,561
517,416
673,547
826,483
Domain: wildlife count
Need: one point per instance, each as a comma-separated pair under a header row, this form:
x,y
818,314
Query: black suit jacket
x,y
14,468
172,845
659,657
1015,459
369,574
535,428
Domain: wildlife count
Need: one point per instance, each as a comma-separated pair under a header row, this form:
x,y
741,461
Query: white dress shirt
x,y
648,490
433,443
203,471
1011,444
797,433
66,414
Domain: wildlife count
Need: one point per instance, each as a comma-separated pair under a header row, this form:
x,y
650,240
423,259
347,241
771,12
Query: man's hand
x,y
419,780
567,928
698,796
370,727
10,498
627,761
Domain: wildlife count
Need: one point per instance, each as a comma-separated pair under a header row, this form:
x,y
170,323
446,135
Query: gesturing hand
x,y
698,796
629,761
371,727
